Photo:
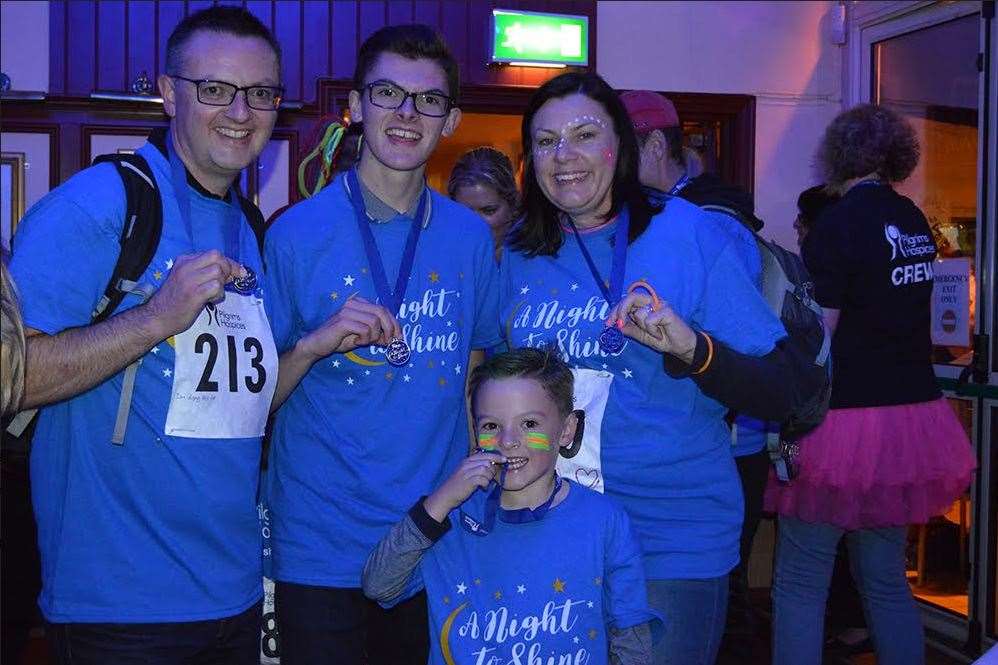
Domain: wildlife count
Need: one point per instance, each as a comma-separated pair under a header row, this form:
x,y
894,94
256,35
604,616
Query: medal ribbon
x,y
678,187
612,293
518,516
389,299
232,229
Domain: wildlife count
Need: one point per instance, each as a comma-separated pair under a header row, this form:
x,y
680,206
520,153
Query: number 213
x,y
250,345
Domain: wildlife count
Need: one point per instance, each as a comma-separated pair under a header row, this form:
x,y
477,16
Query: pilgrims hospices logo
x,y
907,246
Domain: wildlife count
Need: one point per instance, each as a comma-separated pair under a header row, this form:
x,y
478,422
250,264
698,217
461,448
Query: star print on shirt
x,y
589,604
336,363
497,595
575,640
406,378
367,372
334,295
348,280
167,372
169,264
462,587
155,349
457,369
520,588
349,380
158,275
434,277
524,290
575,286
558,585
628,373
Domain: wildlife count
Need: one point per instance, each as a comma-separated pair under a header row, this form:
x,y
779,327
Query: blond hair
x,y
11,343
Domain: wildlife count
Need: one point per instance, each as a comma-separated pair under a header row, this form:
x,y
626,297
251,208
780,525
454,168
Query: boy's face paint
x,y
519,417
488,440
538,441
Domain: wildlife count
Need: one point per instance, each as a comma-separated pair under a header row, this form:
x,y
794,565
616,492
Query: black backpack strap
x,y
255,219
140,233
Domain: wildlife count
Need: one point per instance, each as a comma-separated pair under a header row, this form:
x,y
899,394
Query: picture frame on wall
x,y
11,194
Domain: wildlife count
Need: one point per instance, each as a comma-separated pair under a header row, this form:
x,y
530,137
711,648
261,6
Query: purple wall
x,y
105,44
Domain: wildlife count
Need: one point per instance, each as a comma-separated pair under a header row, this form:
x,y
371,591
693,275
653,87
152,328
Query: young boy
x,y
519,566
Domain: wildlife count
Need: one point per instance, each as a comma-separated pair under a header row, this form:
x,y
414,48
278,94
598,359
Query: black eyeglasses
x,y
387,95
220,93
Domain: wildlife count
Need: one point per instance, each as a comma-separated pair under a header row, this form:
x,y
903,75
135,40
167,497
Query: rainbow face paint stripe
x,y
538,441
487,441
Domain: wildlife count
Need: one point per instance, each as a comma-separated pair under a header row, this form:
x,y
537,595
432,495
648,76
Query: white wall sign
x,y
951,302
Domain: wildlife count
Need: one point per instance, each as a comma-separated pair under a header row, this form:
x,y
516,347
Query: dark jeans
x,y
754,471
230,641
320,625
20,566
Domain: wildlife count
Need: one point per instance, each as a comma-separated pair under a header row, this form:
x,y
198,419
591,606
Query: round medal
x,y
247,284
398,352
611,340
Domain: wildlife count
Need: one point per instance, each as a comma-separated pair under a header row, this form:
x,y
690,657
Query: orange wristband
x,y
710,354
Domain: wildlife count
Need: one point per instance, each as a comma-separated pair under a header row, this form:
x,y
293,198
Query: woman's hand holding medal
x,y
358,323
643,317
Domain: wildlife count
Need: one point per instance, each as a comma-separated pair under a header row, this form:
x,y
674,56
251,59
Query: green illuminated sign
x,y
539,39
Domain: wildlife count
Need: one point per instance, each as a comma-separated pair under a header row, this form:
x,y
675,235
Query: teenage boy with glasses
x,y
382,289
151,545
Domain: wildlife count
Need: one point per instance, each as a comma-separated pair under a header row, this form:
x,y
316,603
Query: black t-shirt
x,y
871,257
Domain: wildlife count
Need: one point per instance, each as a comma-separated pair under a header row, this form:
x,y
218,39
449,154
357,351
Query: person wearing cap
x,y
663,170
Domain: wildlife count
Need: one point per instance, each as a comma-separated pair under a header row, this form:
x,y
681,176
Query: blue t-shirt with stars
x,y
159,529
665,449
358,441
546,591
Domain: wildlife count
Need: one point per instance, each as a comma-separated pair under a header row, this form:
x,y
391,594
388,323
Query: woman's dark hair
x,y
867,139
220,18
414,42
539,233
542,365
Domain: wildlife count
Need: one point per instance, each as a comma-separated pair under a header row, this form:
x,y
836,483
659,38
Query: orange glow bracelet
x,y
710,354
656,302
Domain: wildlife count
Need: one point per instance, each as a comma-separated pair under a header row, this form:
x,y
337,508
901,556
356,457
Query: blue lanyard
x,y
392,300
682,182
232,229
517,516
612,291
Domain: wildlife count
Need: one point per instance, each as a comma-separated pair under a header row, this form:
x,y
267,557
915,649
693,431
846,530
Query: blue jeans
x,y
231,641
805,557
693,612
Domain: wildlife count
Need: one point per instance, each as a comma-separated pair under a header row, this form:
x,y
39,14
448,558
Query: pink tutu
x,y
878,466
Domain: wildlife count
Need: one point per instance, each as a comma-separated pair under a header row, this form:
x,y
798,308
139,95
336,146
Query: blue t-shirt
x,y
358,441
748,434
160,529
665,448
546,591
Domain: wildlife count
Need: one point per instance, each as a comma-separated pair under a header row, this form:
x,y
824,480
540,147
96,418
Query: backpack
x,y
139,240
789,291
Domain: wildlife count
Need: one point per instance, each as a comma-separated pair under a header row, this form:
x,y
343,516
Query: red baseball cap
x,y
649,110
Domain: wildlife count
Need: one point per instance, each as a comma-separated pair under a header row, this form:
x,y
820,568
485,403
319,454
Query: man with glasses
x,y
145,480
382,289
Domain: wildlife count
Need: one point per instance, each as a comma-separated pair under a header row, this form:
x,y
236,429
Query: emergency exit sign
x,y
530,38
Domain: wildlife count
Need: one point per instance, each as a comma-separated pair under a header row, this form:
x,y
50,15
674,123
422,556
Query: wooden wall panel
x,y
141,49
106,44
110,56
344,30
